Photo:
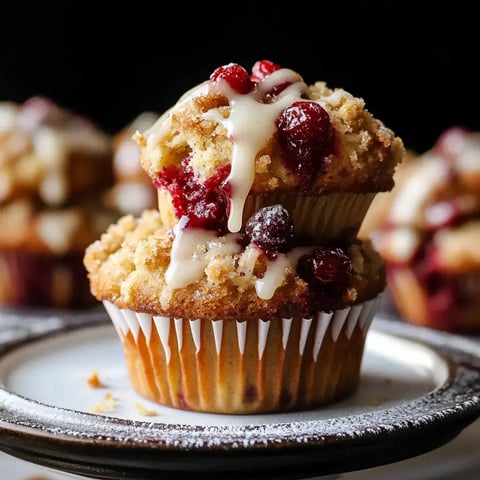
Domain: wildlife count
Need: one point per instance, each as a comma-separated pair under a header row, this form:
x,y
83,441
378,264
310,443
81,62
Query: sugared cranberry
x,y
326,268
262,69
306,136
205,204
235,75
451,142
270,229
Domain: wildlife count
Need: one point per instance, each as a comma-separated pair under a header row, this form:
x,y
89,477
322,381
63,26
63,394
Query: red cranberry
x,y
262,69
451,142
328,268
306,136
235,75
205,204
271,229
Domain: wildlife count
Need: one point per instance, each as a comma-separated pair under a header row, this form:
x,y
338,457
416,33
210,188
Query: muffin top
x,y
50,154
436,210
239,133
141,265
133,190
26,226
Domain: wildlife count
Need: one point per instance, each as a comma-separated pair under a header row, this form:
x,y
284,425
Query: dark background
x,y
416,68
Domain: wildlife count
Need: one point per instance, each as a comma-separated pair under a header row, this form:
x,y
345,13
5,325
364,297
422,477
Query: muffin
x,y
225,298
54,167
431,235
315,150
376,216
133,191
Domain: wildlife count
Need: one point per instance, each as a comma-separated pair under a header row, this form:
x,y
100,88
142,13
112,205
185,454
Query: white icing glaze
x,y
250,126
273,277
191,251
417,189
126,160
57,229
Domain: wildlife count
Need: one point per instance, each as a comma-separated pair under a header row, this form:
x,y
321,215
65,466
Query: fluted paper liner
x,y
250,366
320,217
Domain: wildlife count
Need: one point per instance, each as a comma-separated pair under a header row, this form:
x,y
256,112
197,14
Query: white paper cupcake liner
x,y
322,218
250,366
341,321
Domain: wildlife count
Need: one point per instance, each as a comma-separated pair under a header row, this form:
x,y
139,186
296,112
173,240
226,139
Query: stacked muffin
x,y
431,234
247,290
54,167
133,191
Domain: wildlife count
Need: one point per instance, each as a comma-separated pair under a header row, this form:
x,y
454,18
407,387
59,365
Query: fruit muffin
x,y
430,239
133,190
241,141
246,290
54,168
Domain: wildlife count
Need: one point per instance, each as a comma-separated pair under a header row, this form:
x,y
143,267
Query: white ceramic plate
x,y
418,392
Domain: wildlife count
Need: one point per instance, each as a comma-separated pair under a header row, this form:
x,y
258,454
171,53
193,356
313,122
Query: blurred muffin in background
x,y
133,191
55,168
378,211
430,239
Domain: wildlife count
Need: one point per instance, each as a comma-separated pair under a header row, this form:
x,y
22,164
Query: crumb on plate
x,y
145,411
108,404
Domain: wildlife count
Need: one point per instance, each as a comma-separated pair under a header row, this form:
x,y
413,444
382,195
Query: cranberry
x,y
451,142
262,69
235,75
326,268
205,204
271,229
306,137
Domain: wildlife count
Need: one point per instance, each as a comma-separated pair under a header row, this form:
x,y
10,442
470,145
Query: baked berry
x,y
326,268
270,229
306,137
205,204
262,69
235,75
451,142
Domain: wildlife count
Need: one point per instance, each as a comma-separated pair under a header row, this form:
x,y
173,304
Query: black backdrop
x,y
416,68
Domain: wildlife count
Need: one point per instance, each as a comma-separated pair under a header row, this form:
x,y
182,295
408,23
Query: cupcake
x,y
133,191
430,238
54,167
377,213
268,138
246,291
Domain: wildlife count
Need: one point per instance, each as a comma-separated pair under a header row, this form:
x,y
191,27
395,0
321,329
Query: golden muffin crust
x,y
364,159
128,266
50,154
29,227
